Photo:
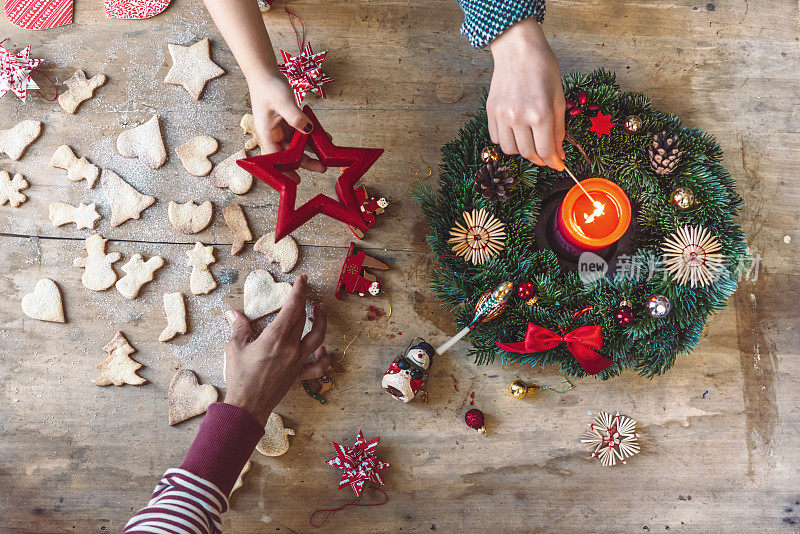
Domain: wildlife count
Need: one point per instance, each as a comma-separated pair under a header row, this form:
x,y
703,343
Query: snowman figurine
x,y
408,374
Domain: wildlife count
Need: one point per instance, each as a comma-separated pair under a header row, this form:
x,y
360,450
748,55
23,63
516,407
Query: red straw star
x,y
601,124
269,169
304,73
15,72
359,463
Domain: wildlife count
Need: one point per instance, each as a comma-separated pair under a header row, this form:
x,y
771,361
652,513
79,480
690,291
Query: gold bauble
x,y
633,123
518,389
625,304
682,198
490,154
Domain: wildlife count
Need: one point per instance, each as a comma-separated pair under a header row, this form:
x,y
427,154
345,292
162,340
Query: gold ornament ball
x,y
490,154
633,123
518,389
682,198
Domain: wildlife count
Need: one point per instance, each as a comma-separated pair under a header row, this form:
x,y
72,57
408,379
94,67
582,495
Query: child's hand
x,y
526,100
258,373
276,116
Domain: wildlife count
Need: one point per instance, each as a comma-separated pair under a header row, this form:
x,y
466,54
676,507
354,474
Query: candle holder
x,y
568,255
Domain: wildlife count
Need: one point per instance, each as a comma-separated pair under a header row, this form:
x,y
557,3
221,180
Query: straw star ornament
x,y
480,239
692,256
611,438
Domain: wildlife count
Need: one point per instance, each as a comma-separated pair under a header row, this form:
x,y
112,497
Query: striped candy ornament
x,y
39,14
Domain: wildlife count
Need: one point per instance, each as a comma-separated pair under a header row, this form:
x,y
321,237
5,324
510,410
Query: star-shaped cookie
x,y
192,67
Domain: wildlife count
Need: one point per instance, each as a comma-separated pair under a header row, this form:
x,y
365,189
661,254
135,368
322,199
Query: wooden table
x,y
719,431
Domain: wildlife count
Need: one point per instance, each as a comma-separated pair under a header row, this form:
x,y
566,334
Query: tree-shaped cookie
x,y
10,189
201,281
137,273
77,169
126,202
99,275
144,142
79,89
119,368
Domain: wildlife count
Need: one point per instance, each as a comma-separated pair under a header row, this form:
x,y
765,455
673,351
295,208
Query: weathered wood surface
x,y
78,458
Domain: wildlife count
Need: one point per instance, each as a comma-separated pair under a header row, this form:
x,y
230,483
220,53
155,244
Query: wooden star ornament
x,y
601,124
270,169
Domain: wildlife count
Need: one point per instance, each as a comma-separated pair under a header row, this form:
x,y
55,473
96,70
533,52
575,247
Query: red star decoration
x,y
269,168
15,71
359,463
601,124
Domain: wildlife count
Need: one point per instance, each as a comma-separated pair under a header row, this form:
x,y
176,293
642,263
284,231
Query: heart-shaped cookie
x,y
44,304
262,295
187,398
194,154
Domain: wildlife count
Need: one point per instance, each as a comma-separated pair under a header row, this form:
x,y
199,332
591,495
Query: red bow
x,y
583,343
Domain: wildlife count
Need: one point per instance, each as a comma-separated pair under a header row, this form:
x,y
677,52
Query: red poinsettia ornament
x,y
359,463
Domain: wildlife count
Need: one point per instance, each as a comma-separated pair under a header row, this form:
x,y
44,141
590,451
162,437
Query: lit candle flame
x,y
599,209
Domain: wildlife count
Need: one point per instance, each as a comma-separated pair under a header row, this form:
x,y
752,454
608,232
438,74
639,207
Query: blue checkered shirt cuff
x,y
484,20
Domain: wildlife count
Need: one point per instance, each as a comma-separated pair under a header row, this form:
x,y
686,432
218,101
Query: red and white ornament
x,y
354,278
611,438
39,14
134,9
407,374
359,463
15,72
304,73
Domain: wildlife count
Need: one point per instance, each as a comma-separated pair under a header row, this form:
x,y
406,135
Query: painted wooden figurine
x,y
370,209
408,374
354,278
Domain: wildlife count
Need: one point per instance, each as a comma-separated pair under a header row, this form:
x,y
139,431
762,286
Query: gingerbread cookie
x,y
190,218
10,189
45,303
187,398
77,169
137,273
126,202
262,295
194,154
14,141
237,223
119,368
229,174
240,480
144,142
248,127
275,441
201,281
175,310
284,252
83,215
79,89
99,274
192,67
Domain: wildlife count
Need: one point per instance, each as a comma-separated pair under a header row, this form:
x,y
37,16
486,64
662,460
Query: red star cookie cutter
x,y
269,168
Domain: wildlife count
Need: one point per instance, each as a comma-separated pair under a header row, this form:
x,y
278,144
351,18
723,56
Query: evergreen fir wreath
x,y
674,180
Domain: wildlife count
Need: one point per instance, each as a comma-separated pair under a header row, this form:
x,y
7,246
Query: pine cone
x,y
664,153
494,182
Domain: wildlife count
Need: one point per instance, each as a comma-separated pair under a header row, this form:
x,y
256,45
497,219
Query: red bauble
x,y
582,98
525,290
624,315
474,419
269,169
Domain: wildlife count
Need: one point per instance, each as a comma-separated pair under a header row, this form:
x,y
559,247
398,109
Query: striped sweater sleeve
x,y
193,497
484,20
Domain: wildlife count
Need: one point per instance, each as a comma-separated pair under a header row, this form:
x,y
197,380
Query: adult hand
x,y
258,373
276,117
526,100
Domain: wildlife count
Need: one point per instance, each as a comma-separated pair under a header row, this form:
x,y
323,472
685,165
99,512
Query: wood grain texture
x,y
78,458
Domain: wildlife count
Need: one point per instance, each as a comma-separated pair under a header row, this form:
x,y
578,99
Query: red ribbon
x,y
583,343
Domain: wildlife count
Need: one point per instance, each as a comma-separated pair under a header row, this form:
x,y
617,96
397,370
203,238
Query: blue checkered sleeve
x,y
484,20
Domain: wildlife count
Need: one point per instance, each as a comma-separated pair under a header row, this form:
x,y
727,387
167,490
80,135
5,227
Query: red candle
x,y
597,222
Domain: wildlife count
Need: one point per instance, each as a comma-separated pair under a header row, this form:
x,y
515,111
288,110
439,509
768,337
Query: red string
x,y
332,511
292,16
448,255
54,87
